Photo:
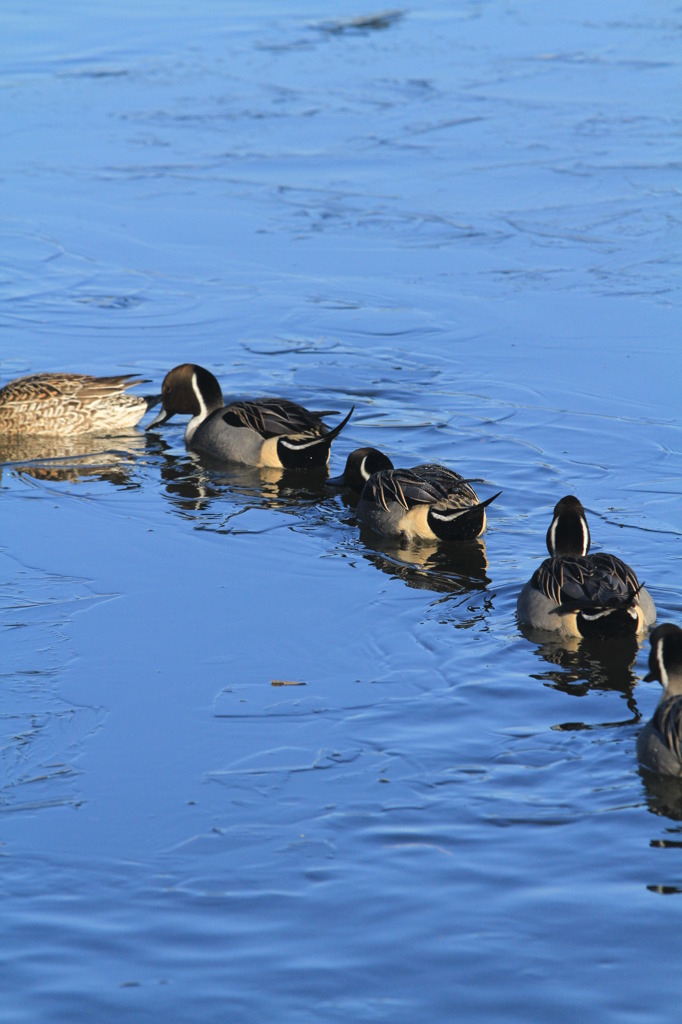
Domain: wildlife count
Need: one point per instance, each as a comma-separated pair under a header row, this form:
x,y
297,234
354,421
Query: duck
x,y
361,464
61,404
659,744
580,594
427,503
268,433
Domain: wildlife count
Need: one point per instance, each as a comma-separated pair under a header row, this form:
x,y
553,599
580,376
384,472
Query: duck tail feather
x,y
308,451
460,523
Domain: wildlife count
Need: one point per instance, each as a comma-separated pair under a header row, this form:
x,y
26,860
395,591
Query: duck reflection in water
x,y
445,569
194,482
580,665
664,798
73,458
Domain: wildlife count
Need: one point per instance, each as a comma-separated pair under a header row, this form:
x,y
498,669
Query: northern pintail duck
x,y
659,744
266,432
58,404
361,464
579,594
426,503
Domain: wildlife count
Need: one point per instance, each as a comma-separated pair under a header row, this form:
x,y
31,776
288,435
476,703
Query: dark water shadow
x,y
444,568
74,459
664,798
194,483
579,666
363,23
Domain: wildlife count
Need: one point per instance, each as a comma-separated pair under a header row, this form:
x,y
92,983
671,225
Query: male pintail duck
x,y
266,432
427,503
71,403
360,465
579,594
659,744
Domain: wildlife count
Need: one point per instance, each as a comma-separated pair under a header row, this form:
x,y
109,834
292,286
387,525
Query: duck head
x,y
568,533
665,658
188,389
360,465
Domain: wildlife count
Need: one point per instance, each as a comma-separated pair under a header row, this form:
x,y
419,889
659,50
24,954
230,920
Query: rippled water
x,y
465,219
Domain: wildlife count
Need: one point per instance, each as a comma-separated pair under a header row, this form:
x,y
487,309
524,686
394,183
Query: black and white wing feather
x,y
578,582
668,721
404,487
274,417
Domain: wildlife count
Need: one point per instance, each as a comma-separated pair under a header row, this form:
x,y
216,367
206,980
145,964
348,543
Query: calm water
x,y
465,219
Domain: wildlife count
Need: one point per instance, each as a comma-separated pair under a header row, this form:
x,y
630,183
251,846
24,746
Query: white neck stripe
x,y
552,536
200,398
197,420
659,661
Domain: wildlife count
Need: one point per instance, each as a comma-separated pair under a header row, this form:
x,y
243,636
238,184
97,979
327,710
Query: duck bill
x,y
336,481
162,417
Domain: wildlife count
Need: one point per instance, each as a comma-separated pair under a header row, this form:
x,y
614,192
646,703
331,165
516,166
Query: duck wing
x,y
459,490
273,417
586,581
81,386
404,487
668,721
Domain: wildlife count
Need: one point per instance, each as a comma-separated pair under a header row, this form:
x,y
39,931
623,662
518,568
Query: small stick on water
x,y
287,682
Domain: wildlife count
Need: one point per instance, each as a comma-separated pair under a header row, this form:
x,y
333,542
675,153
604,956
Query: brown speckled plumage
x,y
70,403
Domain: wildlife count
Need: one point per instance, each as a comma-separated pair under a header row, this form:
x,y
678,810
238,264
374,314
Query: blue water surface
x,y
465,219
